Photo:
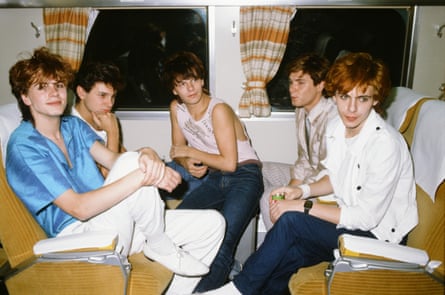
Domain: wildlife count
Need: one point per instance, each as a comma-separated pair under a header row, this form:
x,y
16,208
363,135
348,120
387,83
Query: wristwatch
x,y
307,206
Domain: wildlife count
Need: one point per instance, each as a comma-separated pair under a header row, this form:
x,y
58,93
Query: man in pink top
x,y
208,139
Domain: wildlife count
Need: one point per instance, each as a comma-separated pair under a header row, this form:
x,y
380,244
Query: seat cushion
x,y
146,276
309,280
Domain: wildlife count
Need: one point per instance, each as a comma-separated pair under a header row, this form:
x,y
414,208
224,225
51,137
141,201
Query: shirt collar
x,y
372,124
317,110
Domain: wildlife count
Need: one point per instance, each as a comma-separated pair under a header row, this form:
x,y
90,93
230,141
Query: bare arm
x,y
330,213
293,202
102,155
224,121
151,171
86,205
294,182
109,123
194,166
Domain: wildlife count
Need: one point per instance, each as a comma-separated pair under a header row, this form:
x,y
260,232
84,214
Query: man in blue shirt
x,y
51,165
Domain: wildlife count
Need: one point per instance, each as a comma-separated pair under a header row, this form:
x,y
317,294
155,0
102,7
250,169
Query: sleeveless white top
x,y
199,134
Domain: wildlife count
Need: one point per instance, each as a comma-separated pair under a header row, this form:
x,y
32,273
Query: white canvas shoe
x,y
179,262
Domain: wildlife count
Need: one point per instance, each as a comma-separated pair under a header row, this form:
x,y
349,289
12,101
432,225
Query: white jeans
x,y
142,215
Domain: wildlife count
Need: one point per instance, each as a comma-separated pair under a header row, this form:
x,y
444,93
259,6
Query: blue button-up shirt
x,y
38,172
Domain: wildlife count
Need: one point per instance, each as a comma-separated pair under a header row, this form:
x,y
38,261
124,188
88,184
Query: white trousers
x,y
142,215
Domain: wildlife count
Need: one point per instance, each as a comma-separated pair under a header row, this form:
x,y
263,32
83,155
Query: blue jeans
x,y
236,195
188,184
296,240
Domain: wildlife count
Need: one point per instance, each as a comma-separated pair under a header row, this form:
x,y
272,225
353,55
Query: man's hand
x,y
290,192
279,207
194,167
155,171
179,151
170,180
291,201
106,121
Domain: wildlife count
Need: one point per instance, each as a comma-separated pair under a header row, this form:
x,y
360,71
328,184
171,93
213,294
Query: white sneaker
x,y
180,262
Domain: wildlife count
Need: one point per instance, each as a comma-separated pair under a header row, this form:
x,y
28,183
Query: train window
x,y
380,31
137,40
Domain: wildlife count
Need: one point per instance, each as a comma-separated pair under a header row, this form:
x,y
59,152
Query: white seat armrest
x,y
364,247
87,241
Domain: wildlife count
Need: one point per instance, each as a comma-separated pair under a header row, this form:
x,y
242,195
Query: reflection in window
x,y
332,32
138,40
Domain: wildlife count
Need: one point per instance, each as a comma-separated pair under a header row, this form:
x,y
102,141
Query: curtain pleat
x,y
66,32
264,32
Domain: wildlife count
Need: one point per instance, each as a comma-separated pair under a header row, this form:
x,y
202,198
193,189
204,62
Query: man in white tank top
x,y
210,145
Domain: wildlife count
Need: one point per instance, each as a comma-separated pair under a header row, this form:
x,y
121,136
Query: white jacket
x,y
372,177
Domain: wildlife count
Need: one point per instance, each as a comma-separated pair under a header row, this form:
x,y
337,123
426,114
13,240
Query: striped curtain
x,y
66,32
263,36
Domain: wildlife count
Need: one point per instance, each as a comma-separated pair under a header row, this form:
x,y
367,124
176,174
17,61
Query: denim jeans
x,y
188,184
296,240
236,195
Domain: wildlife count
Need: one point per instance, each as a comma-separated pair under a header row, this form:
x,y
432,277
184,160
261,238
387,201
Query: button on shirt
x,y
372,177
38,172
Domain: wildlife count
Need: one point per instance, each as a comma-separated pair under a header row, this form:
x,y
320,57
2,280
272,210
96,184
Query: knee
x,y
125,163
290,219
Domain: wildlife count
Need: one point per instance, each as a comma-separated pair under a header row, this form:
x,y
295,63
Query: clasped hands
x,y
194,166
155,171
292,201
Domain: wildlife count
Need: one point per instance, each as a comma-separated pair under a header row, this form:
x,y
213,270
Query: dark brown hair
x,y
181,66
94,72
312,64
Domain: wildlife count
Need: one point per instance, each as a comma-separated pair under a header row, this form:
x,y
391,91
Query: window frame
x,y
211,4
139,94
405,78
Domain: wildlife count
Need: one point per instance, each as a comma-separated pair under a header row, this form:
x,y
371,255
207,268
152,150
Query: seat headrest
x,y
399,101
10,118
428,141
428,146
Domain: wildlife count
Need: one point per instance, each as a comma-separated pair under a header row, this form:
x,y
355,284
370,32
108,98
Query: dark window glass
x,y
331,32
138,40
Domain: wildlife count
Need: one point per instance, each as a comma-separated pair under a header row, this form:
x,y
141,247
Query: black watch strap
x,y
307,206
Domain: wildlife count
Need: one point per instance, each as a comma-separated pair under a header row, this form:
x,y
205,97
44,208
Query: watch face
x,y
308,204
